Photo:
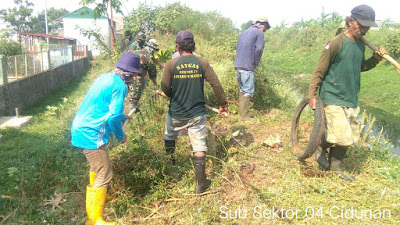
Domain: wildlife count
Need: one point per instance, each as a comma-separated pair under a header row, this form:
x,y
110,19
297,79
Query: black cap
x,y
365,15
184,35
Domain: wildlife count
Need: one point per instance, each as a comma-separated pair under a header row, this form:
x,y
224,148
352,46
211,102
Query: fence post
x,y
71,53
16,67
34,63
3,71
4,82
48,58
26,65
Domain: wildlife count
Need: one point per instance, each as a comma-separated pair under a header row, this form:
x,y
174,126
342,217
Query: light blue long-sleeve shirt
x,y
249,49
101,113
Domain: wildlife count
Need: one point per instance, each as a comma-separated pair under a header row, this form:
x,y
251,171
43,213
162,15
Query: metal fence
x,y
21,66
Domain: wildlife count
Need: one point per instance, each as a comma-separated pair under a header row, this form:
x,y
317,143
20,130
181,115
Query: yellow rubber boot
x,y
95,199
92,177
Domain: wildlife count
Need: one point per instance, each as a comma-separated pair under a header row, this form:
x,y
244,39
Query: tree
x,y
141,19
168,15
9,48
336,19
38,22
246,25
18,17
282,26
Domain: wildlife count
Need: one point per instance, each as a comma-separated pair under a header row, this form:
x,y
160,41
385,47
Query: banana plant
x,y
163,56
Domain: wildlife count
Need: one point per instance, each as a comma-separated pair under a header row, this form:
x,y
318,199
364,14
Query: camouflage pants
x,y
152,71
342,125
136,89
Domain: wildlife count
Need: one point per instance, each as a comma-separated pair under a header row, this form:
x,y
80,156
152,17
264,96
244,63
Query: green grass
x,y
380,89
39,160
378,86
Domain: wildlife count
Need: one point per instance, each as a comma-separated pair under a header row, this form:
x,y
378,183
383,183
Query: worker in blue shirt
x,y
249,50
100,114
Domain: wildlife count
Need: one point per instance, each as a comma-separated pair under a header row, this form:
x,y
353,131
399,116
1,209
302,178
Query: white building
x,y
82,20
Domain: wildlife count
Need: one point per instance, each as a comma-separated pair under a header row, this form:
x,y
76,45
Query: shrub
x,y
393,43
9,48
209,25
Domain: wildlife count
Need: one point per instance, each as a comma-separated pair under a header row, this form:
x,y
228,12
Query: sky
x,y
240,12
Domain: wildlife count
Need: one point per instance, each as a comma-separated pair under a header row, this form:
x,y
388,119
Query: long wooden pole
x,y
207,106
130,114
385,56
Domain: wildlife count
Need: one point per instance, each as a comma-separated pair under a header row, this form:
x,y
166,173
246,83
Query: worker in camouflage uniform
x,y
138,84
129,39
139,42
152,46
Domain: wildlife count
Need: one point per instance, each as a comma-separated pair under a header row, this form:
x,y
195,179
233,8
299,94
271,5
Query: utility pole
x,y
45,20
112,26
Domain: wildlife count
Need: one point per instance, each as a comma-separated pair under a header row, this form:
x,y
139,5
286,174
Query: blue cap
x,y
364,15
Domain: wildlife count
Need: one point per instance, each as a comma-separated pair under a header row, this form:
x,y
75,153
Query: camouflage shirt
x,y
135,46
144,55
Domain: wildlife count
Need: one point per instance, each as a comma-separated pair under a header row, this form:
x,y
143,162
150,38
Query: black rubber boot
x,y
336,156
200,171
170,149
321,154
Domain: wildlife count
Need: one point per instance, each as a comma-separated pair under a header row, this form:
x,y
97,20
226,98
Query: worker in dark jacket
x,y
249,50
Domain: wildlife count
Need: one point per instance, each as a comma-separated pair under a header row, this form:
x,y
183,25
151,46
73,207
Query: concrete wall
x,y
27,91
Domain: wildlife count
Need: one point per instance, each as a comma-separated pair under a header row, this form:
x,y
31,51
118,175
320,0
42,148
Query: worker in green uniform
x,y
183,83
337,76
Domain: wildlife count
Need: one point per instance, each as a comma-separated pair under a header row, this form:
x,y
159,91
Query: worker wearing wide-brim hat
x,y
99,116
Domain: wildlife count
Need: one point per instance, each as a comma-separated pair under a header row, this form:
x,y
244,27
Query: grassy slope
x,y
378,86
39,160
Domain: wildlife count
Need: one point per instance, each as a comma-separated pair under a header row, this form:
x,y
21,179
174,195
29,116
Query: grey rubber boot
x,y
202,183
170,149
244,102
336,156
321,154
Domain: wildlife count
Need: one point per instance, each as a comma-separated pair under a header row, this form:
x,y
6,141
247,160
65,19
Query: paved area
x,y
12,121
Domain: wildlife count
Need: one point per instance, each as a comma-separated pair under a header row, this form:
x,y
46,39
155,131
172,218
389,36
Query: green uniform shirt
x,y
338,72
183,82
